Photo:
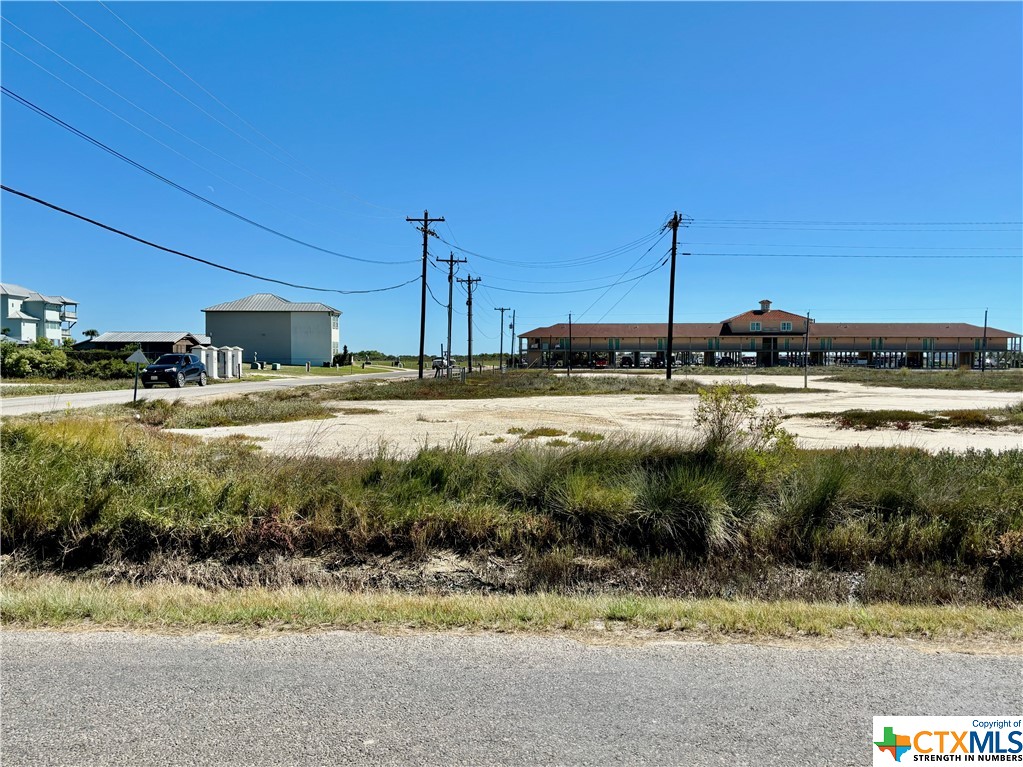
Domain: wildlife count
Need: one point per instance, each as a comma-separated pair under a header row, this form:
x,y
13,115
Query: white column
x,y
210,360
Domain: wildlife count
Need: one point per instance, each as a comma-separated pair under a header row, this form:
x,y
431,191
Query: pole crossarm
x,y
427,233
470,282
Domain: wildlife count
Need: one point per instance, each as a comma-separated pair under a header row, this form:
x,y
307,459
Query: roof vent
x,y
765,305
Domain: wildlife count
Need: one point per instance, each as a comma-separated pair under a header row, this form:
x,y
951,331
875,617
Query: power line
x,y
565,263
846,255
183,96
858,223
850,247
578,290
99,144
242,119
214,264
836,229
150,136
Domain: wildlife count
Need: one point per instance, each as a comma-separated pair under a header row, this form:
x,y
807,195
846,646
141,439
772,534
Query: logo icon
x,y
896,745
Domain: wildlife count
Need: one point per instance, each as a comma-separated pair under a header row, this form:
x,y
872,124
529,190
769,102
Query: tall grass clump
x,y
683,509
807,502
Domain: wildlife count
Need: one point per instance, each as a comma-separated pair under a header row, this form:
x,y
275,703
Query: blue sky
x,y
544,134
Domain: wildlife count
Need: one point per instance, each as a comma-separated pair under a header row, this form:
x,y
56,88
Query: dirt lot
x,y
403,427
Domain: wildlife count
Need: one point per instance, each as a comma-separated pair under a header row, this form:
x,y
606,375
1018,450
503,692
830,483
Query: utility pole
x,y
806,351
425,229
515,342
983,346
671,293
676,220
470,281
570,343
502,309
450,261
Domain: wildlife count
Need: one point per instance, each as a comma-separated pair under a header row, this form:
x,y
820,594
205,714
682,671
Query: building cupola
x,y
765,305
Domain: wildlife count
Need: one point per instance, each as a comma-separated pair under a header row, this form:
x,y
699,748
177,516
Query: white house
x,y
27,315
272,329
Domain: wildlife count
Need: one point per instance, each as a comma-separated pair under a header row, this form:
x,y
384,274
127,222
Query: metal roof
x,y
148,337
904,330
10,289
268,302
620,330
817,330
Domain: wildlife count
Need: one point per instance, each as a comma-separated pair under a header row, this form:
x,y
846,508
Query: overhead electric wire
x,y
627,271
857,223
194,104
844,247
835,229
245,122
626,293
577,290
150,136
849,255
96,142
207,262
563,263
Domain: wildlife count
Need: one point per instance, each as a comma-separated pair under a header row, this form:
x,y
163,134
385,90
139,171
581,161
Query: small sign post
x,y
139,359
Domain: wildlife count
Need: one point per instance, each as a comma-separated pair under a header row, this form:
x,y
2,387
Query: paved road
x,y
361,699
50,402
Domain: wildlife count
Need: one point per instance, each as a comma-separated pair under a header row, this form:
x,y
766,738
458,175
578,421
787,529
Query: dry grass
x,y
50,602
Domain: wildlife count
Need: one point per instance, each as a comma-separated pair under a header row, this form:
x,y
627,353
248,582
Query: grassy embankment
x,y
41,602
738,514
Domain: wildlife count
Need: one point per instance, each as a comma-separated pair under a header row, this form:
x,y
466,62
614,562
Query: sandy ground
x,y
403,427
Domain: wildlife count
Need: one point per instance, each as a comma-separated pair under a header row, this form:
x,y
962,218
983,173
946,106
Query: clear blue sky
x,y
543,133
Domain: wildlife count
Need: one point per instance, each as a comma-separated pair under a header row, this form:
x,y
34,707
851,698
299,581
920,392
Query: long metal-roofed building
x,y
151,342
767,337
272,329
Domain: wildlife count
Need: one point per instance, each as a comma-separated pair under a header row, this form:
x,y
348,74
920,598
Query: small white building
x,y
26,315
272,329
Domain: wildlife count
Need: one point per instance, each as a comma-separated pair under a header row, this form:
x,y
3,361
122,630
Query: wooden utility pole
x,y
676,220
671,293
502,309
450,261
983,346
570,343
515,342
425,229
470,281
806,352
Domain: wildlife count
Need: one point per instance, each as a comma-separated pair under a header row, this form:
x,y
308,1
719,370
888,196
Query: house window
x,y
562,343
876,344
825,344
333,322
661,344
753,326
928,344
713,343
786,344
53,326
786,327
333,349
614,344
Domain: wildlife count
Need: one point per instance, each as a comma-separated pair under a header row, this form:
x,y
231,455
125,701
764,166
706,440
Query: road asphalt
x,y
45,403
355,698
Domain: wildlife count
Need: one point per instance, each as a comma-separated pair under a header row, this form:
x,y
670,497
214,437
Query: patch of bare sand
x,y
402,427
